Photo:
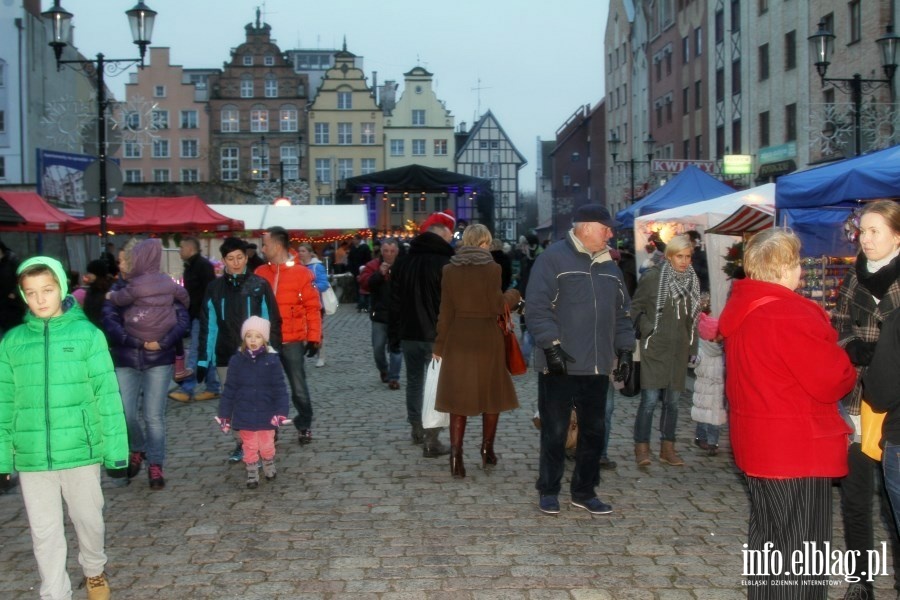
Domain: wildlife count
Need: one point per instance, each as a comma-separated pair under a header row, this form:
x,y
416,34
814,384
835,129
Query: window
x,y
345,168
698,97
133,121
367,134
189,119
790,122
763,62
324,200
720,85
720,26
440,147
160,175
290,161
322,134
720,141
763,6
419,204
418,118
736,136
246,88
763,129
396,147
855,21
366,166
288,120
160,149
190,149
230,120
790,50
735,15
323,170
698,41
345,100
132,149
658,114
686,149
2,74
269,60
345,134
271,87
685,100
259,161
736,77
159,91
418,147
668,110
259,120
658,65
698,147
668,63
685,50
133,176
248,60
190,175
159,119
229,163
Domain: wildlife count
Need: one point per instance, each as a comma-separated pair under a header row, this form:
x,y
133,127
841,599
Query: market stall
x,y
690,186
184,214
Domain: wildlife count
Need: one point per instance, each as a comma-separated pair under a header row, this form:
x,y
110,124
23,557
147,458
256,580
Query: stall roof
x,y
699,212
184,214
746,219
28,212
690,186
305,217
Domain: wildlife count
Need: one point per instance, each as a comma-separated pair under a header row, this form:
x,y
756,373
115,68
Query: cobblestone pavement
x,y
360,513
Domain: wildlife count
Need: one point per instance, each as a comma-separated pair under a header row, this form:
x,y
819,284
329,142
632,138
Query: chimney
x,y
462,127
375,86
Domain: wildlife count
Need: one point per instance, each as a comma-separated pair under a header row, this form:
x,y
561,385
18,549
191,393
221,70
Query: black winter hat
x,y
231,244
98,268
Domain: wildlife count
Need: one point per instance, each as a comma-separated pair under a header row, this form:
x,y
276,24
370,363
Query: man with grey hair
x,y
578,314
376,277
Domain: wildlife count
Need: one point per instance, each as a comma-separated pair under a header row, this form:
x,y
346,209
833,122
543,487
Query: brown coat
x,y
474,379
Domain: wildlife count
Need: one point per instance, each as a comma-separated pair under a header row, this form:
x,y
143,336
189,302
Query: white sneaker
x,y
320,362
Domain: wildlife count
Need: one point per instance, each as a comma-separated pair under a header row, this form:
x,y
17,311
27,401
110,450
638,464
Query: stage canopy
x,y
690,186
182,214
27,212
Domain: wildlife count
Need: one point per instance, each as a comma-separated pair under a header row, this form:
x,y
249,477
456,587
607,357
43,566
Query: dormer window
x,y
248,60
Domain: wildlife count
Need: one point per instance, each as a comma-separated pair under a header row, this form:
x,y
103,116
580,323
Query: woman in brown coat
x,y
474,379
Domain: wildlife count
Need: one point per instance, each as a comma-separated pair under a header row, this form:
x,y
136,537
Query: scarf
x,y
682,288
471,255
254,354
877,282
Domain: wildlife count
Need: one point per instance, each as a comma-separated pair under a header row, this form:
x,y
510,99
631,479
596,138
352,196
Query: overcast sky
x,y
536,60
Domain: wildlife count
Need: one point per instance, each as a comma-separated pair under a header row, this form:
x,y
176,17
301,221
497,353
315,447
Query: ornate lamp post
x,y
141,19
614,143
821,45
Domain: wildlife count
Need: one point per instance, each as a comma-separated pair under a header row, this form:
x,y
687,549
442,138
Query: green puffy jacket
x,y
60,406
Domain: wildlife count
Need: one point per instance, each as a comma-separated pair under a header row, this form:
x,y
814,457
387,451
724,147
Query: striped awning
x,y
747,219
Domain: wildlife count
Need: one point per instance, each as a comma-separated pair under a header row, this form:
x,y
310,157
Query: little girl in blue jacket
x,y
255,398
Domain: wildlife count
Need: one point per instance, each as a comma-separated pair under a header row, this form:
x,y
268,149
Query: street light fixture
x,y
265,167
821,45
141,19
614,142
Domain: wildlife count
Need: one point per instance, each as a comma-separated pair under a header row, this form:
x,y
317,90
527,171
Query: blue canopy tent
x,y
689,186
815,203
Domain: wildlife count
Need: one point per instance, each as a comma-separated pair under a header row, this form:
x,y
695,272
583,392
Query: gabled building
x,y
345,129
314,63
419,128
487,152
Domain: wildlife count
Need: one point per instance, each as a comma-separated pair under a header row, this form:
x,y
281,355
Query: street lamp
x,y
821,45
265,167
614,143
141,19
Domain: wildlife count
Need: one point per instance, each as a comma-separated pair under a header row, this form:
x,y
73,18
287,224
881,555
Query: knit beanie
x,y
256,324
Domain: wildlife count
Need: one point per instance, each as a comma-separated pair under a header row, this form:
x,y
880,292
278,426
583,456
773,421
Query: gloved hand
x,y
557,359
626,364
860,352
117,473
279,420
224,424
311,349
7,482
200,374
693,361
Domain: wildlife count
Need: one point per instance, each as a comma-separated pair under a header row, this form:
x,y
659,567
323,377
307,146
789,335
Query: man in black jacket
x,y
415,301
376,275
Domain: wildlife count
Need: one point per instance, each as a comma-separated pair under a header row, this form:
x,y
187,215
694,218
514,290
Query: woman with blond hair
x,y
474,379
785,377
666,308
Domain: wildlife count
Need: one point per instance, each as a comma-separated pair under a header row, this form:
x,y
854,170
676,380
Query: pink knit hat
x,y
256,324
708,327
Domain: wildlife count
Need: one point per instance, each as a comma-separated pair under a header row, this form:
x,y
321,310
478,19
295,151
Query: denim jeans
x,y
144,397
708,433
417,355
668,418
389,364
212,379
556,396
293,358
610,406
890,462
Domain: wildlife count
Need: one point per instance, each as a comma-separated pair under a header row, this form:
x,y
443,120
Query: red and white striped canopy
x,y
747,219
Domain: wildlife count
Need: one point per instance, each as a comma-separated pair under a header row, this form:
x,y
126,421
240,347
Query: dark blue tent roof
x,y
689,186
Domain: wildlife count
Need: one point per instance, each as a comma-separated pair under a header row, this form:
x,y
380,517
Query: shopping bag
x,y
430,417
870,424
329,301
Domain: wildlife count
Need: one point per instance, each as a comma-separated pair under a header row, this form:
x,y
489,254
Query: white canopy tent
x,y
305,217
700,216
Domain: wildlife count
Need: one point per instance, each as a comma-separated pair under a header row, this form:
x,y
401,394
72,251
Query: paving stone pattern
x,y
359,513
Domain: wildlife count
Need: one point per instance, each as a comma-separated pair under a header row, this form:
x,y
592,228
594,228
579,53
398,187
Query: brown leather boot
x,y
642,454
489,430
457,431
668,455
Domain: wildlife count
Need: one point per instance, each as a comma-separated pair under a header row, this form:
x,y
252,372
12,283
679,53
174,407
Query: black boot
x,y
431,446
489,430
418,434
457,431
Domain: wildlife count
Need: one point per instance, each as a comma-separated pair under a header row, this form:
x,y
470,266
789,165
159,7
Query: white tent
x,y
305,217
701,216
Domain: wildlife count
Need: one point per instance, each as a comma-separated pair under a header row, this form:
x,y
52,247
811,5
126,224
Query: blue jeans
x,y
389,364
212,378
144,397
556,396
668,418
708,433
417,355
890,462
607,421
293,359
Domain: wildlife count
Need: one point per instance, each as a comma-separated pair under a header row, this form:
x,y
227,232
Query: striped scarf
x,y
683,289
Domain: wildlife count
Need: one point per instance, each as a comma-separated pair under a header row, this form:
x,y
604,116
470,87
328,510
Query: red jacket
x,y
297,299
784,376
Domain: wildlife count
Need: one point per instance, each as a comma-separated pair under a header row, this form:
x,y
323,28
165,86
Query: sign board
x,y
778,153
113,179
61,179
676,165
737,164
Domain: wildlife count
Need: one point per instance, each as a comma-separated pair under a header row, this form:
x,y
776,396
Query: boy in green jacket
x,y
61,417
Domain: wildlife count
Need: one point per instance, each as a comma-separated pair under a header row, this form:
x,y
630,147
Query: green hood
x,y
54,265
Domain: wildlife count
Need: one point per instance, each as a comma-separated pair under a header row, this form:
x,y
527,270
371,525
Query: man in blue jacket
x,y
578,314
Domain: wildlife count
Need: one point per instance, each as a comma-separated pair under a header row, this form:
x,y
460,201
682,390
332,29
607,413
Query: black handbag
x,y
632,385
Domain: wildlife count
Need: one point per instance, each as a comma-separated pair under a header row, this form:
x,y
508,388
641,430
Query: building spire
x,y
258,24
345,42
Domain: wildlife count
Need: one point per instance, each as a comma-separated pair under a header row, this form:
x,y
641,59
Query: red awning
x,y
29,213
183,214
747,219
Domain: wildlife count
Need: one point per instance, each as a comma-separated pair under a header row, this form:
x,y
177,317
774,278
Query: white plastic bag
x,y
329,301
430,417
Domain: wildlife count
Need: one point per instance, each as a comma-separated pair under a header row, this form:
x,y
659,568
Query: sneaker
x,y
180,396
97,587
607,465
549,505
157,481
593,506
320,362
393,384
205,395
237,455
304,437
135,459
269,470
